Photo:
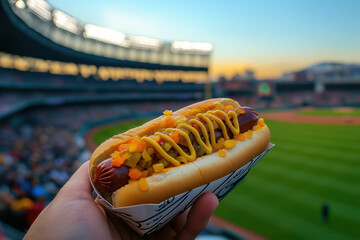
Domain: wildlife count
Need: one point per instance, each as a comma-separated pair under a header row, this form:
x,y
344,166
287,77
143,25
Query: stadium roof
x,y
44,32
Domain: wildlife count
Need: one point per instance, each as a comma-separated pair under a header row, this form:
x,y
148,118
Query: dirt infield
x,y
89,136
294,116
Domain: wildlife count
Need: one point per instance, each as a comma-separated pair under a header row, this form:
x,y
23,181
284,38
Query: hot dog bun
x,y
185,177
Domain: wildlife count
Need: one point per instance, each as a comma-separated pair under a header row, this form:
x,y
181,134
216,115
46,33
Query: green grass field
x,y
331,112
310,165
106,133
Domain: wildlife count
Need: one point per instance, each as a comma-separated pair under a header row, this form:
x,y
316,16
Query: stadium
x,y
66,86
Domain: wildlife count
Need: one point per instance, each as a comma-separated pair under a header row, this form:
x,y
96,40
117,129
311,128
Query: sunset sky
x,y
269,37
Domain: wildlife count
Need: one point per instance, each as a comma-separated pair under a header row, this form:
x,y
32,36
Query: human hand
x,y
74,214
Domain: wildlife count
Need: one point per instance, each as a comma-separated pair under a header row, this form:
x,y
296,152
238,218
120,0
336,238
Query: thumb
x,y
79,183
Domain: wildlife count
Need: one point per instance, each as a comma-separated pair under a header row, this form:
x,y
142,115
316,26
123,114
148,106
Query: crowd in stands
x,y
32,80
311,98
17,100
302,98
39,152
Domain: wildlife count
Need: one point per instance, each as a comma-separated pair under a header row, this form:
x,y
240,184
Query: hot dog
x,y
177,152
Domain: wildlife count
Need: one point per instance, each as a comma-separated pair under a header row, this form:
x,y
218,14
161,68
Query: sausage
x,y
108,178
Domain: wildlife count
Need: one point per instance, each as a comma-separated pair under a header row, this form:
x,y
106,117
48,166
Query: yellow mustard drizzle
x,y
192,155
209,143
234,127
210,126
206,146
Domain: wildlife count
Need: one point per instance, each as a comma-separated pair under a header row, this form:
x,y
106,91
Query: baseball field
x,y
282,197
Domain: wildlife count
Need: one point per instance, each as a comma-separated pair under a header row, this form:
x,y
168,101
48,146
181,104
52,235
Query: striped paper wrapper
x,y
147,218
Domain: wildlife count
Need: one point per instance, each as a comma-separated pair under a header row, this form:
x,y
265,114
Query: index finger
x,y
199,216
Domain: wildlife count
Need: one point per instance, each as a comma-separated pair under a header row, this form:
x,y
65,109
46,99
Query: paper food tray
x,y
147,218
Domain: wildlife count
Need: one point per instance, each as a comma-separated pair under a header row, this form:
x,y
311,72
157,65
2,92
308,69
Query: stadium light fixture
x,y
64,21
40,8
105,35
186,46
20,4
144,42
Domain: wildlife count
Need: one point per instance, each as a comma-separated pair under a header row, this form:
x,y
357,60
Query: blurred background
x,y
74,73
